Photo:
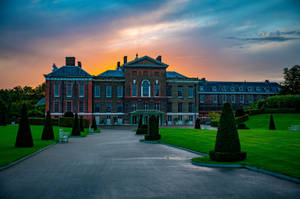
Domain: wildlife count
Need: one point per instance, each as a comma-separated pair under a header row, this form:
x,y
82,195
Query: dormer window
x,y
241,89
201,88
232,89
214,88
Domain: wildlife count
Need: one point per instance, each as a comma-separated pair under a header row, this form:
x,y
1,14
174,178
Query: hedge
x,y
68,122
241,119
41,121
283,102
253,111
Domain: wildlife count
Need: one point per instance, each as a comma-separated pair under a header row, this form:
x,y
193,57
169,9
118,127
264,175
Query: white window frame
x,y
69,90
97,91
56,90
242,99
215,99
202,99
192,93
81,90
149,89
120,91
107,91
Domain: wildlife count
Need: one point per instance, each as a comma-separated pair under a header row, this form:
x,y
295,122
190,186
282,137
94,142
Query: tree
x,y
197,123
141,128
24,137
81,124
3,113
153,129
291,84
48,133
76,127
227,146
272,124
94,125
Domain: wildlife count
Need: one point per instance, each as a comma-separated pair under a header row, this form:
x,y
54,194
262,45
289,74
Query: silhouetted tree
x,y
153,129
272,124
24,137
48,133
197,123
291,84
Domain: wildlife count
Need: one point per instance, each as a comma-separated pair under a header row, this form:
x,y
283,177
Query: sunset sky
x,y
220,40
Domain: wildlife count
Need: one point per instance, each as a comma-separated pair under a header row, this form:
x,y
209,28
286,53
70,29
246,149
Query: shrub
x,y
76,127
197,123
3,114
227,146
272,124
41,121
24,137
48,133
65,121
139,130
69,114
142,130
253,111
241,119
239,112
153,130
242,126
214,122
94,125
284,101
81,124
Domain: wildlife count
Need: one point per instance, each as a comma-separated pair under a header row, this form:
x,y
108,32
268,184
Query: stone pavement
x,y
114,164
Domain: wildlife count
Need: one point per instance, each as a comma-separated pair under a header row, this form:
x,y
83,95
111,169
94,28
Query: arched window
x,y
145,88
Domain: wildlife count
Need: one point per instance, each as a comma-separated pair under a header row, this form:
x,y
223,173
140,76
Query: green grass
x,y
8,152
282,121
276,150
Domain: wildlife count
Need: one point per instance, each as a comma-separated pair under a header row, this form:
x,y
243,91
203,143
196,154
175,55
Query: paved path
x,y
114,164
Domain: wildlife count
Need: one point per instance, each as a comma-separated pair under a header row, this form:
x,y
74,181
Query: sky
x,y
224,40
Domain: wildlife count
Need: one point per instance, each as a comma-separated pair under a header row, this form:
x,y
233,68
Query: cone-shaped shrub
x,y
24,137
197,123
3,113
272,124
94,125
141,129
81,124
153,129
76,127
48,129
227,146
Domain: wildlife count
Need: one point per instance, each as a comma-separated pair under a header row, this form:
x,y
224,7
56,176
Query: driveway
x,y
114,164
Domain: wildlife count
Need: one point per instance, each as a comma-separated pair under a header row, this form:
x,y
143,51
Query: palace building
x,y
143,86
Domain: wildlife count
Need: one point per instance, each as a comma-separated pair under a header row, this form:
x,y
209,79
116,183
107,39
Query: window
x,y
134,90
120,91
108,107
242,99
97,91
156,74
156,88
202,99
249,89
120,108
145,73
134,120
214,88
224,98
56,107
108,91
180,117
133,107
169,91
179,107
146,106
191,118
56,90
191,107
233,99
180,93
215,99
81,90
80,107
97,107
157,106
232,89
69,106
191,92
69,90
169,107
145,88
258,89
201,88
250,99
169,118
241,89
134,73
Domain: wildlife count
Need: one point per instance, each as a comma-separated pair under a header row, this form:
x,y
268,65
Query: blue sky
x,y
220,40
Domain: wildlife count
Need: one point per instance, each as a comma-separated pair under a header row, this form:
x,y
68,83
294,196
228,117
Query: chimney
x,y
158,58
118,65
79,64
70,61
125,59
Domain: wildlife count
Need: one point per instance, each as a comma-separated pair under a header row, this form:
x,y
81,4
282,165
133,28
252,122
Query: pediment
x,y
145,62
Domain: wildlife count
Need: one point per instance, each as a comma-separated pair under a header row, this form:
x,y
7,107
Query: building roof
x,y
152,62
112,73
68,71
173,74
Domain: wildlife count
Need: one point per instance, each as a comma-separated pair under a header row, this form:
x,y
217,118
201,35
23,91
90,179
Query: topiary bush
x,y
48,133
227,146
272,124
141,129
81,124
241,119
239,112
197,123
3,114
94,125
41,121
76,127
24,137
153,129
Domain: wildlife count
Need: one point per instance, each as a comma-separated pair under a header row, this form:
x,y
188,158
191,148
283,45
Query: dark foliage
x,y
241,119
227,140
242,126
94,125
291,84
272,124
81,124
24,137
41,121
68,114
153,129
239,112
142,130
139,129
197,123
3,114
76,127
48,133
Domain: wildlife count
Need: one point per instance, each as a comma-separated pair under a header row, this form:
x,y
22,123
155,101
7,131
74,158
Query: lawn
x,y
276,151
8,153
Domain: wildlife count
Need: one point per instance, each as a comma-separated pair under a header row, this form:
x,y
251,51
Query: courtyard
x,y
115,164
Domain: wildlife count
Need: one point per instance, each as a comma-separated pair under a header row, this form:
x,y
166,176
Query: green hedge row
x,y
283,101
241,119
253,111
62,121
41,121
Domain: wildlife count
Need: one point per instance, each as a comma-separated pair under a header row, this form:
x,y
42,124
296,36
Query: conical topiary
x,y
141,128
197,123
76,127
3,112
153,129
272,124
24,137
94,125
227,146
81,124
48,129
